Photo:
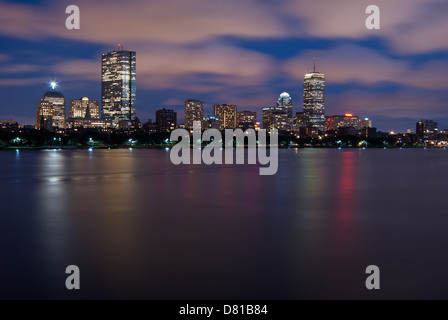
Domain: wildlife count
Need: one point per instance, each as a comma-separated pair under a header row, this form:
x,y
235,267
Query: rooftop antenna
x,y
314,68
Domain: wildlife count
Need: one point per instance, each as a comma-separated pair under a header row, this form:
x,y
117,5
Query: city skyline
x,y
394,80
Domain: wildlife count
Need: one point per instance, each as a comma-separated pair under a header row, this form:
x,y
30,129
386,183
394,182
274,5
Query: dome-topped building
x,y
51,110
52,94
285,102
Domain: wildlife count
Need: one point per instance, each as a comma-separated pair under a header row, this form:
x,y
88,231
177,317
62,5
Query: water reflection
x,y
140,227
345,210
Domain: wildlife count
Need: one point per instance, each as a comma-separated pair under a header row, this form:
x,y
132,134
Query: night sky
x,y
243,52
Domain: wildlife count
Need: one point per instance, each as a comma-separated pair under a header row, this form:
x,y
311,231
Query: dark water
x,y
139,227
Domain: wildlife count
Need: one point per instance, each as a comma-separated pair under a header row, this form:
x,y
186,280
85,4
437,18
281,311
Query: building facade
x,y
84,108
89,123
329,123
226,114
300,119
275,118
343,121
118,75
166,120
246,120
194,111
211,122
51,111
365,123
427,129
314,99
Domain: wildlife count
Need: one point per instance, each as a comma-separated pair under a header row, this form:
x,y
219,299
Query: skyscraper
x,y
84,108
118,74
51,110
194,111
226,114
285,102
166,120
314,99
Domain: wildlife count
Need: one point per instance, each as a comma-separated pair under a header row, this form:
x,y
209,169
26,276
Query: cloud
x,y
3,57
21,82
407,26
172,21
19,68
350,63
80,69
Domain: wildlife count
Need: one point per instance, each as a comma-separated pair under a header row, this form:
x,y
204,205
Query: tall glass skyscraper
x,y
118,86
314,99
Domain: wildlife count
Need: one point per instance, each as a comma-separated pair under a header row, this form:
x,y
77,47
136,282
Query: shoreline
x,y
22,148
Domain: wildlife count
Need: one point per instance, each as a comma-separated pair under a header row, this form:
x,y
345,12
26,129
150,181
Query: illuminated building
x,y
211,122
420,129
275,118
427,129
343,121
166,120
366,123
299,119
89,123
85,113
328,123
51,110
194,111
150,127
246,120
9,125
285,102
44,115
314,99
79,108
118,73
226,114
